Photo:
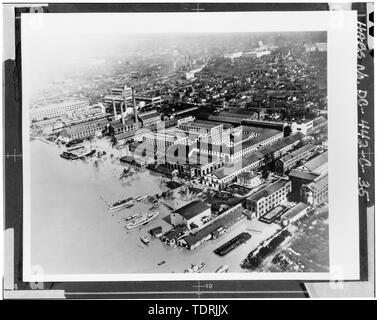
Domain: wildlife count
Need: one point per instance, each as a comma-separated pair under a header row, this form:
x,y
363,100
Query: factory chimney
x,y
135,108
122,113
124,103
115,110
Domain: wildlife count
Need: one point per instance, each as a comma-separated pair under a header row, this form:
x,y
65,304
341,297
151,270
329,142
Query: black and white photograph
x,y
176,152
188,150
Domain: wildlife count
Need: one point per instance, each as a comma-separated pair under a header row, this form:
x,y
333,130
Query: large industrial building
x,y
56,110
242,146
187,160
227,174
309,174
192,215
84,130
291,159
268,198
315,192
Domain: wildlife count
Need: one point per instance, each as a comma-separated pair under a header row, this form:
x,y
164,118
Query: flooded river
x,y
72,231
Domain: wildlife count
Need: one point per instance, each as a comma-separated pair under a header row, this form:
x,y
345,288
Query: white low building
x,y
191,215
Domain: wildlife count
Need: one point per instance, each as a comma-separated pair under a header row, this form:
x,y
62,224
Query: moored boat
x,y
141,198
120,204
223,269
131,217
74,142
144,239
88,154
142,220
75,148
69,155
195,268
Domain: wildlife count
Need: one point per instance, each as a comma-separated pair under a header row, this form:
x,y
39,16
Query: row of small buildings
x,y
194,226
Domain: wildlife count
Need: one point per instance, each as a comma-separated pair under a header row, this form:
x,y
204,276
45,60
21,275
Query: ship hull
x,y
141,223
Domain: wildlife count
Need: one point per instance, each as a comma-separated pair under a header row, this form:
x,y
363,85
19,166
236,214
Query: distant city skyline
x,y
52,56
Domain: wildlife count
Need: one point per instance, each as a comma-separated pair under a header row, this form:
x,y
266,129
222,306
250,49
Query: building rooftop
x,y
114,97
292,155
316,162
156,230
175,232
203,124
79,126
192,209
269,190
267,133
58,105
257,156
226,119
318,121
149,115
291,213
319,184
125,135
226,220
249,175
295,173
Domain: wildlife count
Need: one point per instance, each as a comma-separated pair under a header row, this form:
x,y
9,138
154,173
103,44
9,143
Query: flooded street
x,y
73,231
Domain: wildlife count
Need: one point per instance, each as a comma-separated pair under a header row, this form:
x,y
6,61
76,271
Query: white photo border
x,y
341,27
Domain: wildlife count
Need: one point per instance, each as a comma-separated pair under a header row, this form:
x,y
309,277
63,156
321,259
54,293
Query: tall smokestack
x,y
135,108
122,113
115,110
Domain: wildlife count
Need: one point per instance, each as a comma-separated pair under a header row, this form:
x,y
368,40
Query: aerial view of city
x,y
182,153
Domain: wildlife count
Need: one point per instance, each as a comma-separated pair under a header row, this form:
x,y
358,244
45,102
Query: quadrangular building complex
x,y
192,215
235,150
56,110
225,175
268,198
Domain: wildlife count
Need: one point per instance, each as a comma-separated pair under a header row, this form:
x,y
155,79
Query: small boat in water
x,y
75,148
142,220
131,217
120,204
161,263
141,198
144,240
223,269
88,154
74,142
195,268
69,155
